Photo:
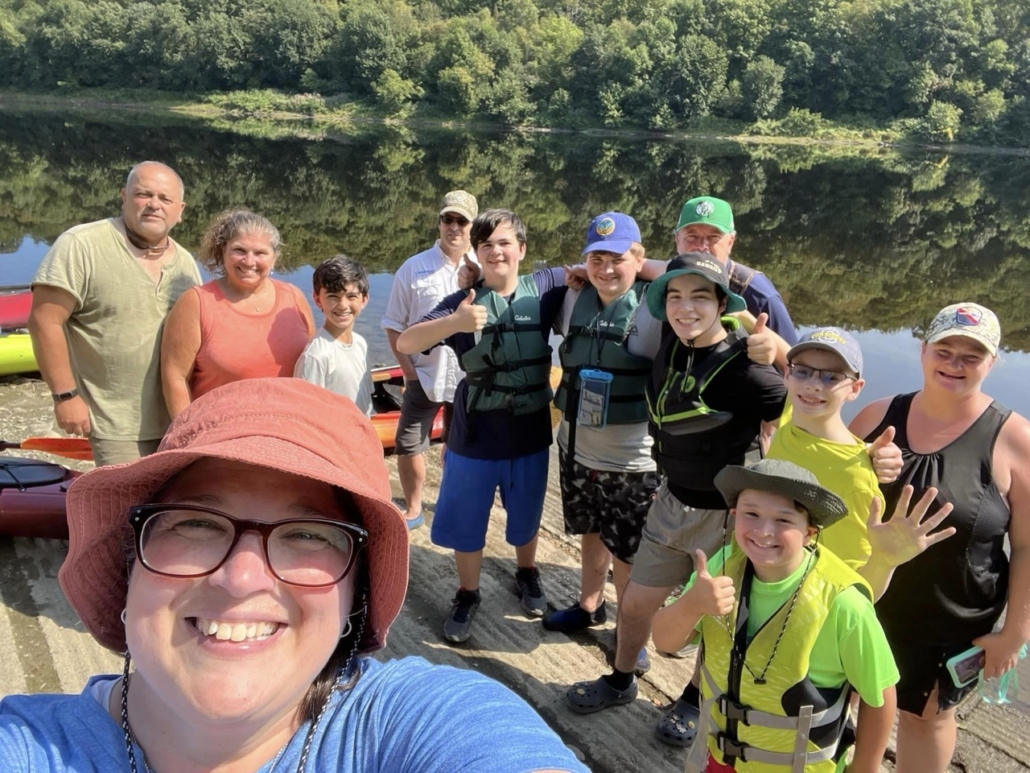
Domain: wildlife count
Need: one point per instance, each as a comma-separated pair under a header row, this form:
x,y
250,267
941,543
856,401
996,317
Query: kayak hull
x,y
15,304
16,354
36,511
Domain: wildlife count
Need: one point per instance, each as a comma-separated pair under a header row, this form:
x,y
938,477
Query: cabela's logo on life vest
x,y
705,209
523,318
968,317
605,227
830,336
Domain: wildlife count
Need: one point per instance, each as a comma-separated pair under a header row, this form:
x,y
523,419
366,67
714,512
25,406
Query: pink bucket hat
x,y
284,424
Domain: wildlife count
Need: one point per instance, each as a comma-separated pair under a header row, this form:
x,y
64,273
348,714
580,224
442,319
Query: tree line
x,y
868,241
947,70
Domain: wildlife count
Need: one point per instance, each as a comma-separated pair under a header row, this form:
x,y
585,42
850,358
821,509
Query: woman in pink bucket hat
x,y
244,569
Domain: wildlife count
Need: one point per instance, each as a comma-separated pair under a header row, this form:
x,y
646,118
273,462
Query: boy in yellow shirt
x,y
824,371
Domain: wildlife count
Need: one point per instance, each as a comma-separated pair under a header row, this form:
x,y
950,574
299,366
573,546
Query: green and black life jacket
x,y
510,366
597,339
693,442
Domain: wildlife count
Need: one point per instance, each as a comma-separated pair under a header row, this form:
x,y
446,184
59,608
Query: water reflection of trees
x,y
870,241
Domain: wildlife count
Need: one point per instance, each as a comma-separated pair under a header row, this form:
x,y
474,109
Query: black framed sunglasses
x,y
178,540
452,220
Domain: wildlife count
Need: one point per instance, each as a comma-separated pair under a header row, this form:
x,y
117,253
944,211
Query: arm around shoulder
x,y
180,343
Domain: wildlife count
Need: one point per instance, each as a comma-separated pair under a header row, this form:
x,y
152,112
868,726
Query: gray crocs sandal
x,y
679,725
588,697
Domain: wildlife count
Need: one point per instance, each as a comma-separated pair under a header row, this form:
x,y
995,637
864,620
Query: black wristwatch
x,y
62,396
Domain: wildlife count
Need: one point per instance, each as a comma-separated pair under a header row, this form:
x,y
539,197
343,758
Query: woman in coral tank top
x,y
242,324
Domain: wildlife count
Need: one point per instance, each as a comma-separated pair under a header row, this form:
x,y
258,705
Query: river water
x,y
873,240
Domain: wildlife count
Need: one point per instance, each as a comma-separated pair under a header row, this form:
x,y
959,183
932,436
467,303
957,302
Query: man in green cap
x,y
706,225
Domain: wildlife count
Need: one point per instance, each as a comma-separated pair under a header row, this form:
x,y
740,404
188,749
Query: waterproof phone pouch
x,y
595,387
966,666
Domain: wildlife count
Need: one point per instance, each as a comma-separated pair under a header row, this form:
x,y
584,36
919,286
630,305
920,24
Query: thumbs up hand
x,y
762,343
469,317
885,456
711,595
468,273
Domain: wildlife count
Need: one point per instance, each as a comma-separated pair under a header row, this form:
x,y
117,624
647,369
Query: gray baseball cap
x,y
831,339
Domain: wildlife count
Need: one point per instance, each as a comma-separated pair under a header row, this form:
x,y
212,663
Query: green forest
x,y
939,70
883,239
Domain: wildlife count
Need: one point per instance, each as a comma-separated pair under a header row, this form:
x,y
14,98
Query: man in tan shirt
x,y
99,299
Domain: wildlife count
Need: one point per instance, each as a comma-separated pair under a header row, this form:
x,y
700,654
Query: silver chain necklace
x,y
130,737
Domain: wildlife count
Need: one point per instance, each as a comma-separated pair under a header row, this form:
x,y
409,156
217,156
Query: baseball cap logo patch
x,y
705,209
829,336
605,227
967,316
710,265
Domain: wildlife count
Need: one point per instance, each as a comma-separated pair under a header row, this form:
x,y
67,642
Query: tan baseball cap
x,y
460,203
970,320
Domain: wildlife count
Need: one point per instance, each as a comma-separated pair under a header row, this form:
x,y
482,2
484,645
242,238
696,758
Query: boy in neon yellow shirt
x,y
788,630
823,373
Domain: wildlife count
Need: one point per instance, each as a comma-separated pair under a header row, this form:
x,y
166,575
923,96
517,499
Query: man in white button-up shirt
x,y
429,379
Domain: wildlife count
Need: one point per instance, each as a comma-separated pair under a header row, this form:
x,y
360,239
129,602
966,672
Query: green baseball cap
x,y
707,210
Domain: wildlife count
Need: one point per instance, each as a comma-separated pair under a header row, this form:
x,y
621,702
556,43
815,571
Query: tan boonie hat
x,y
284,424
970,320
787,479
461,203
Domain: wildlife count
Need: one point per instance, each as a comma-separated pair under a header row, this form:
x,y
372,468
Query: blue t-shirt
x,y
761,295
403,715
492,434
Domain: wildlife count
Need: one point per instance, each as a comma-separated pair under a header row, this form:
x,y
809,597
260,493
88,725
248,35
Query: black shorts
x,y
415,424
612,504
922,669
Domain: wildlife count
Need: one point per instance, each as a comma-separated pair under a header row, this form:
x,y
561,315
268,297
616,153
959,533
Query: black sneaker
x,y
527,585
575,618
458,625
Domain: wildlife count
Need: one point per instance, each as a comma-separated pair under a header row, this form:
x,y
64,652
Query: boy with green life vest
x,y
607,475
501,429
787,630
706,403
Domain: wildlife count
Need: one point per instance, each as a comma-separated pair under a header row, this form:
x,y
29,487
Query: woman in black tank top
x,y
950,597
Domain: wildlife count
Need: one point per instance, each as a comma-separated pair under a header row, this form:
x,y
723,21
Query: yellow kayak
x,y
16,354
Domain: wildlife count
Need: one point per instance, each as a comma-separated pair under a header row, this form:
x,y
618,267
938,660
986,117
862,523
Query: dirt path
x,y
44,647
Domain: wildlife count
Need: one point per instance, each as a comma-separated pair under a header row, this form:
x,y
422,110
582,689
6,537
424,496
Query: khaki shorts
x,y
672,532
107,452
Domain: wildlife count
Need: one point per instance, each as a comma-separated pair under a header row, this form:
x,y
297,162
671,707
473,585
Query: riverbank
x,y
45,649
312,116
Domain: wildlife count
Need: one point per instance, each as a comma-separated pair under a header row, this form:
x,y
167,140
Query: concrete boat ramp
x,y
43,647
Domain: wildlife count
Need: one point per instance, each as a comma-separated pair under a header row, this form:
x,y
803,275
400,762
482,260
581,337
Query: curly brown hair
x,y
226,227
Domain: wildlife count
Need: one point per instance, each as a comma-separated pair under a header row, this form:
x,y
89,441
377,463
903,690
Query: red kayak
x,y
15,303
32,491
32,497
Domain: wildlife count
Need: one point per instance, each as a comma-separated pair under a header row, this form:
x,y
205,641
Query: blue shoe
x,y
414,523
575,618
643,663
